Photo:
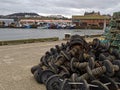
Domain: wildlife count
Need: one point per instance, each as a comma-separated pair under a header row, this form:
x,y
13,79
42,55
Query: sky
x,y
59,7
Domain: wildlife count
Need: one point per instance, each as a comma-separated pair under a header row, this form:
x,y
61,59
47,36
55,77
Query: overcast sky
x,y
55,7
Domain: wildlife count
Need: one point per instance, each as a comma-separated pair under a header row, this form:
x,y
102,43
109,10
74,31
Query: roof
x,y
2,19
33,20
90,17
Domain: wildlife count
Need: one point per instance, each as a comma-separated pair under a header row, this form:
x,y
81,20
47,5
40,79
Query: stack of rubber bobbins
x,y
78,65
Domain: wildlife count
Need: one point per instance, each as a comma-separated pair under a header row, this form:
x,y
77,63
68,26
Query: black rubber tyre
x,y
34,68
117,62
65,85
109,68
116,53
112,86
37,75
102,57
100,85
54,82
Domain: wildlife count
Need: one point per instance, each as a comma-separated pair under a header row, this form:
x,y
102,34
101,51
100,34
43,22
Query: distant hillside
x,y
23,14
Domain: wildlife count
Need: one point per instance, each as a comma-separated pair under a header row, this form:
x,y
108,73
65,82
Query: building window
x,y
101,24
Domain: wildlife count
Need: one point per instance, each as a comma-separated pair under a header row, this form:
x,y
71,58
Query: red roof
x,y
32,20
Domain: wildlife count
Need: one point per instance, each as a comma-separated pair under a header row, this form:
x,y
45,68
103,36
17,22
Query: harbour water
x,y
16,34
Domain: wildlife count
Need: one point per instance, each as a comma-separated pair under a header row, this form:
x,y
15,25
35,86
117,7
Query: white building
x,y
7,21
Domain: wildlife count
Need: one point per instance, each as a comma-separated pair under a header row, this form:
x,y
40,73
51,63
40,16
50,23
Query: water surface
x,y
16,34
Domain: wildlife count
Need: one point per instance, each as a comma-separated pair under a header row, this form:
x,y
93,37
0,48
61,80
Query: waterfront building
x,y
6,22
51,24
31,21
91,20
39,21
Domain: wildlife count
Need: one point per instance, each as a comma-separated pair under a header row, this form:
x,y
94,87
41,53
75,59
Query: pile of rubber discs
x,y
79,65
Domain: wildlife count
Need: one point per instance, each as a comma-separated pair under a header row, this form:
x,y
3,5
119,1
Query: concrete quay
x,y
16,62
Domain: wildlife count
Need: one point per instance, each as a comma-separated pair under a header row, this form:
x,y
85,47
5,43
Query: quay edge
x,y
25,41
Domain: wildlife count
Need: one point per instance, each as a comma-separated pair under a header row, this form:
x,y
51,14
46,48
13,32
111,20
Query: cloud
x,y
64,7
